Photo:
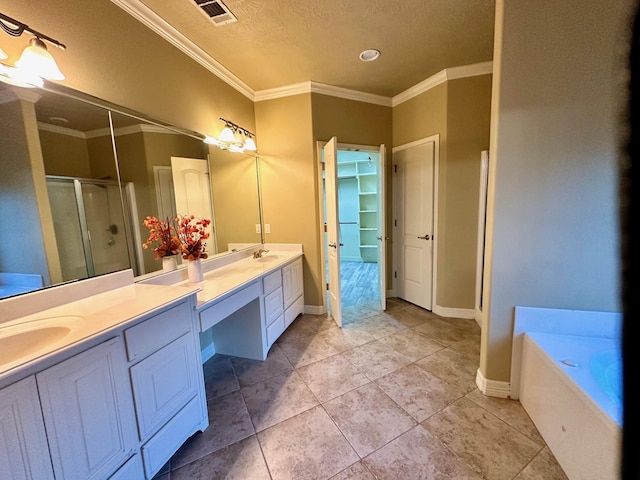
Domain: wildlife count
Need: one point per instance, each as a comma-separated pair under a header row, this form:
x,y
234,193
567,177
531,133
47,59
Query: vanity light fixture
x,y
233,138
35,63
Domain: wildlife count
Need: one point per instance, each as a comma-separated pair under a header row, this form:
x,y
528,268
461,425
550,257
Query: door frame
x,y
340,146
394,208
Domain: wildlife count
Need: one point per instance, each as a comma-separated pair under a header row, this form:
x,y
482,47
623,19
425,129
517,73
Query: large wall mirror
x,y
81,175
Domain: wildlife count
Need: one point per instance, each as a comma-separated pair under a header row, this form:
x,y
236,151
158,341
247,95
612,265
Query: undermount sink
x,y
24,339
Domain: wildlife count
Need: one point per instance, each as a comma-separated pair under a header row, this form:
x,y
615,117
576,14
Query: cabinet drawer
x,y
293,311
132,469
158,331
163,383
275,330
221,310
273,306
162,446
272,281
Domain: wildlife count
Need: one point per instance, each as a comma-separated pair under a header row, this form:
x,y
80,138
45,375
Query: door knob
x,y
426,237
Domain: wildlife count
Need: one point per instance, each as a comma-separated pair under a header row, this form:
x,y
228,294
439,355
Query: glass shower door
x,y
89,226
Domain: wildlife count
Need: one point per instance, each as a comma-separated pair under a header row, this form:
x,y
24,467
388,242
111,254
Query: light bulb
x,y
250,145
36,60
227,136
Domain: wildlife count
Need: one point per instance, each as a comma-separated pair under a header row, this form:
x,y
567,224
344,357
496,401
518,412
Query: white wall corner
x,y
493,388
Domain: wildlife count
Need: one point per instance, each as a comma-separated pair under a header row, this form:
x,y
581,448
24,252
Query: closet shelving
x,y
365,173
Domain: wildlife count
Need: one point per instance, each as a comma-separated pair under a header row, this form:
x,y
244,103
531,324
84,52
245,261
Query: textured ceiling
x,y
276,43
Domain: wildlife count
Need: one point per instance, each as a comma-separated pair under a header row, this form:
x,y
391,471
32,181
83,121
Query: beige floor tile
x,y
345,338
412,345
332,377
357,471
468,346
440,330
376,359
368,418
219,376
308,446
253,371
305,350
379,325
543,467
418,392
482,440
241,461
417,455
411,315
277,399
510,411
229,422
451,367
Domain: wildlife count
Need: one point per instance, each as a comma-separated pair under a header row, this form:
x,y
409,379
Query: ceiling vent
x,y
216,11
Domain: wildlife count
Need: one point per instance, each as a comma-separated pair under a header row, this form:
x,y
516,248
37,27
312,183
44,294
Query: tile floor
x,y
391,395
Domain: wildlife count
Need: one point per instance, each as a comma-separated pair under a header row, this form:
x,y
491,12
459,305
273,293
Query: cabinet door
x,y
292,282
24,453
163,383
88,412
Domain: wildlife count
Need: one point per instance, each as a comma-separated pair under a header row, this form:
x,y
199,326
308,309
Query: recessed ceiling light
x,y
369,55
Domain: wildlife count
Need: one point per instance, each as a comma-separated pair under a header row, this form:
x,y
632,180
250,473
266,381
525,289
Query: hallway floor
x,y
391,395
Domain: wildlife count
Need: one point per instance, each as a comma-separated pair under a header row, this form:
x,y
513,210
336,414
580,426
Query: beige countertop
x,y
225,280
38,340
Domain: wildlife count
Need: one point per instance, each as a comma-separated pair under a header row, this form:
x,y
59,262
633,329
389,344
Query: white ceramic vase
x,y
169,263
194,271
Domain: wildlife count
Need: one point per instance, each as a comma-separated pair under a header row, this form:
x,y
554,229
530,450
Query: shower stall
x,y
89,226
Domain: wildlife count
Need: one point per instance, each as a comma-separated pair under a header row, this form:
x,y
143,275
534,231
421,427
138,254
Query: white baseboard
x,y
314,309
208,352
454,312
493,388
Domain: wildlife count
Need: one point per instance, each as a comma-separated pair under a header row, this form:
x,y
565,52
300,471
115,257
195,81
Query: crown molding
x,y
70,132
453,73
148,17
322,88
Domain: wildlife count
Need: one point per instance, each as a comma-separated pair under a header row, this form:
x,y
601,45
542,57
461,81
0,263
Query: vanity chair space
x,y
112,391
246,300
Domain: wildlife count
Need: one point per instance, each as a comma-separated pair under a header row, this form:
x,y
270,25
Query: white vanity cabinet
x,y
273,306
293,290
88,412
24,453
167,381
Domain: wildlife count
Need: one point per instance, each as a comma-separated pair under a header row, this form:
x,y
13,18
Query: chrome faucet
x,y
258,253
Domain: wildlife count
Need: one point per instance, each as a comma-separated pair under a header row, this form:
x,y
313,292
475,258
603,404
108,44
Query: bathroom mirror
x,y
71,210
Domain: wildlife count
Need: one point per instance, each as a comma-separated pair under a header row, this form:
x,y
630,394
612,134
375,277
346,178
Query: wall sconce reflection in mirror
x,y
234,138
35,63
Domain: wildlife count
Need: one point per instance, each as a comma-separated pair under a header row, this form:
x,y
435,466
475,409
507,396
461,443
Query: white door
x,y
193,191
414,229
333,228
382,231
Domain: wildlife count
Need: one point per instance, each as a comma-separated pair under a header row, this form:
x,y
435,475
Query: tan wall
x,y
468,120
235,198
552,229
289,182
65,155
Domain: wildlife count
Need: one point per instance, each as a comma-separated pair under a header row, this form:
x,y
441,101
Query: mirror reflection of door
x,y
192,192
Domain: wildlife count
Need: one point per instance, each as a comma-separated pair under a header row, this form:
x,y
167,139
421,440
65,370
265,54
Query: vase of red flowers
x,y
163,234
192,234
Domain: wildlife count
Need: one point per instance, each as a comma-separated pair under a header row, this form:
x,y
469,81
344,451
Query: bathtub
x,y
571,387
